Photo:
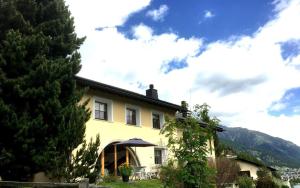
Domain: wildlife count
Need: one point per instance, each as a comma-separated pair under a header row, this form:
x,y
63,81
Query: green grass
x,y
134,184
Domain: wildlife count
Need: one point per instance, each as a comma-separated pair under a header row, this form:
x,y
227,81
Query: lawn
x,y
134,184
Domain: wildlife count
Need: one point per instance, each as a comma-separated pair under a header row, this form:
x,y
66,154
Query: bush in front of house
x,y
266,183
245,182
110,178
170,175
285,186
264,179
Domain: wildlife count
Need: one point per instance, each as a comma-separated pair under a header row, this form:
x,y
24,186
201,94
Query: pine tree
x,y
41,119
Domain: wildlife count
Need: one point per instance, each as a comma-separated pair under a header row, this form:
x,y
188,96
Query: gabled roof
x,y
125,93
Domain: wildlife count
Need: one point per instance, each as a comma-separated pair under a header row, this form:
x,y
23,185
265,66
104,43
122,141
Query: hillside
x,y
271,150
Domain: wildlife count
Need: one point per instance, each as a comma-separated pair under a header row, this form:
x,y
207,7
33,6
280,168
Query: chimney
x,y
184,111
151,92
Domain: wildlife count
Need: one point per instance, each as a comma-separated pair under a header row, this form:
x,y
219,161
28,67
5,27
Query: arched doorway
x,y
108,160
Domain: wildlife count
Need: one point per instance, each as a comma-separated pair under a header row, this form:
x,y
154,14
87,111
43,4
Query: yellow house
x,y
119,115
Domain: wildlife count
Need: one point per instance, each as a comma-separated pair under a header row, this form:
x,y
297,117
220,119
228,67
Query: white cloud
x,y
122,62
142,32
278,106
280,4
240,78
91,14
208,14
158,14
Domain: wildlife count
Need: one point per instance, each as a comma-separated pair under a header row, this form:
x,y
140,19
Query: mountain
x,y
272,151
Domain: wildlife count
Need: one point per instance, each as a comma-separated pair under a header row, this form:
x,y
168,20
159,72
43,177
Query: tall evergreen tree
x,y
41,120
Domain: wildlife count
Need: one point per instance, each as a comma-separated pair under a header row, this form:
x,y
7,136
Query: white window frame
x,y
138,114
161,119
164,155
109,108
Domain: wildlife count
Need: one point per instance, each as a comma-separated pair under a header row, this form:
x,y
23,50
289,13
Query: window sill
x,y
156,129
102,120
132,125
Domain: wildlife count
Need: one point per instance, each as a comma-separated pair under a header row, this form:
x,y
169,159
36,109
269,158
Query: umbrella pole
x,y
127,156
102,163
116,159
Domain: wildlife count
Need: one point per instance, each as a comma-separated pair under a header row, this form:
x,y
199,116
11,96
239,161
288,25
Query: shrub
x,y
284,186
245,182
266,183
264,179
170,176
227,171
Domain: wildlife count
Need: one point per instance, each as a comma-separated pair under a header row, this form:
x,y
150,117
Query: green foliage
x,y
245,182
249,157
83,162
187,140
201,112
227,171
263,173
264,179
170,175
110,178
223,149
134,184
284,186
266,183
125,169
295,181
276,174
42,121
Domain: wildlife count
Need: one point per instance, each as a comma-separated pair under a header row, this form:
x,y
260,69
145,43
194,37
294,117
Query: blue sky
x,y
222,20
240,57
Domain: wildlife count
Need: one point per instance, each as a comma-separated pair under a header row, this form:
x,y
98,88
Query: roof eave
x,y
126,93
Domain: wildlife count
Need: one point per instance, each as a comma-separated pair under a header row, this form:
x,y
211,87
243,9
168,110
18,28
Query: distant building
x,y
250,168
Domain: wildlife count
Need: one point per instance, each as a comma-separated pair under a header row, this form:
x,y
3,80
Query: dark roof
x,y
255,163
125,93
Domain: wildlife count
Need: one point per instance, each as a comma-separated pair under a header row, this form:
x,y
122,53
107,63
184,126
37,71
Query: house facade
x,y
118,115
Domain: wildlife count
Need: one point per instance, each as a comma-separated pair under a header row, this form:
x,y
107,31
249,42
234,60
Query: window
x,y
158,156
245,173
156,121
133,115
130,116
100,110
103,109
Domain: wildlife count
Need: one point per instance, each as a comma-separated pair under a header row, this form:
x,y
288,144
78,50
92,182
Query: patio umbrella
x,y
135,142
